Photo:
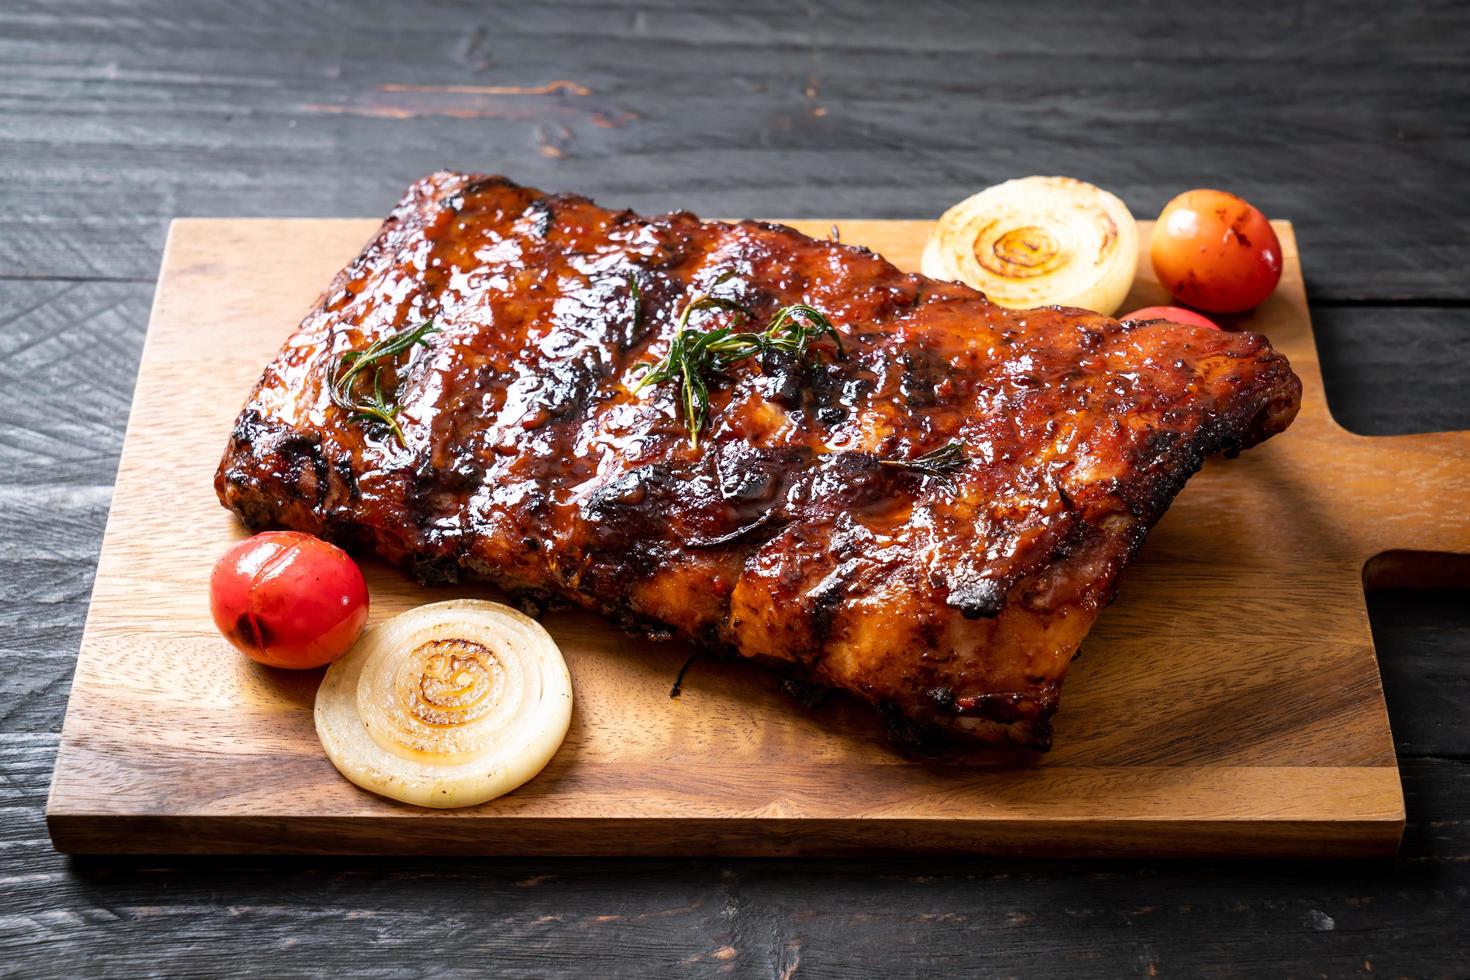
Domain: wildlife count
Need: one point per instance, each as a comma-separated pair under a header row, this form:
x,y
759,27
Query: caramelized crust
x,y
952,604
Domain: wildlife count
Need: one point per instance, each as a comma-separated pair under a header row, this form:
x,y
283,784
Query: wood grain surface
x,y
117,117
1228,703
823,108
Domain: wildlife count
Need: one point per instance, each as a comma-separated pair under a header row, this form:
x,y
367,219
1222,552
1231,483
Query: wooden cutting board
x,y
1228,703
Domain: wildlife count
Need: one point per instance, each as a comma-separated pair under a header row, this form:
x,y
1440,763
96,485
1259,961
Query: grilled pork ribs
x,y
798,529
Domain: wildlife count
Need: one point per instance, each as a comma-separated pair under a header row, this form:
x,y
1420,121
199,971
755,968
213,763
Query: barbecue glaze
x,y
953,603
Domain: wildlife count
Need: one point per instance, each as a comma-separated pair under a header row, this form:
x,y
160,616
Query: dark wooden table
x,y
1350,119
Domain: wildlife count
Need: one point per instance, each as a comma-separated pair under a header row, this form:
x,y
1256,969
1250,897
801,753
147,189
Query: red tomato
x,y
1177,314
1214,251
288,599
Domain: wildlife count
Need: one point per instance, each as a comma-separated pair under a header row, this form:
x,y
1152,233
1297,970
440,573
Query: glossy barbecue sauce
x,y
954,602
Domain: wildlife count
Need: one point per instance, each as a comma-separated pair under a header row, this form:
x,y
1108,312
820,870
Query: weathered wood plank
x,y
1390,370
68,356
1424,654
117,118
861,918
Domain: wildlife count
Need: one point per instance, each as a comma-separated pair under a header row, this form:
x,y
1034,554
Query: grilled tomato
x,y
1174,314
288,599
1215,252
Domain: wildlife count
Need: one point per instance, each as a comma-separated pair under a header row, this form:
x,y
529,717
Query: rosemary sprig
x,y
695,356
375,407
941,463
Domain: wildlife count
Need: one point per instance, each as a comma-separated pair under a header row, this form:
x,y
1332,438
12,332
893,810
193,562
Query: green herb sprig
x,y
696,356
941,463
375,406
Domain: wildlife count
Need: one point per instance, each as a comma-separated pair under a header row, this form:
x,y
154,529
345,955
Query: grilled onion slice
x,y
449,704
1038,241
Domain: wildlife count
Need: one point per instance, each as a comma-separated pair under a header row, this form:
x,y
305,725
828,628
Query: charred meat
x,y
926,506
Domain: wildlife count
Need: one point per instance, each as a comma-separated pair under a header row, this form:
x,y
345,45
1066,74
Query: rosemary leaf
x,y
941,463
637,295
695,357
375,407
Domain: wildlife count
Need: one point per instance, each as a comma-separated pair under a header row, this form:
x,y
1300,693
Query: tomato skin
x,y
288,599
1176,314
1216,252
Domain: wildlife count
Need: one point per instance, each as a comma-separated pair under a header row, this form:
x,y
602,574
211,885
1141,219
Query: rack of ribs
x,y
951,601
